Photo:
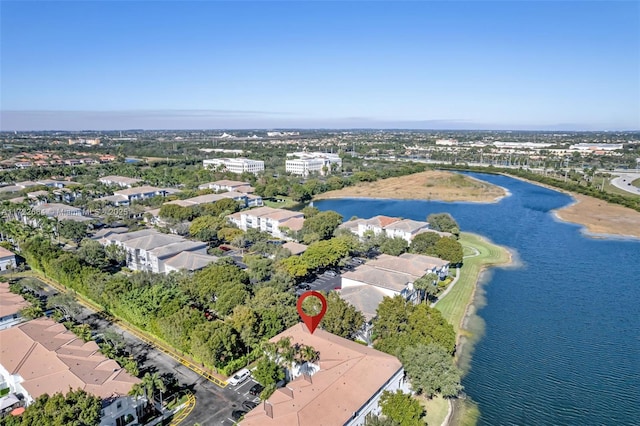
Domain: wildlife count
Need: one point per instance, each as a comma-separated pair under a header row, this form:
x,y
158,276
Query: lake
x,y
561,343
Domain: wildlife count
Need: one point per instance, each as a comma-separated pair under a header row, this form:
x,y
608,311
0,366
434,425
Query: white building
x,y
229,185
122,181
368,284
235,165
10,306
390,226
150,250
341,388
7,259
312,162
44,357
267,219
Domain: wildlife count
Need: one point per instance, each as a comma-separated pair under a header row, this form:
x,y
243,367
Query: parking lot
x,y
241,392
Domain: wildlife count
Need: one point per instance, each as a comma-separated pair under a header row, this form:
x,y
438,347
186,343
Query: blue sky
x,y
443,65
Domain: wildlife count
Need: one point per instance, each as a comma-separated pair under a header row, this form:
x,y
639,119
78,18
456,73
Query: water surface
x,y
562,339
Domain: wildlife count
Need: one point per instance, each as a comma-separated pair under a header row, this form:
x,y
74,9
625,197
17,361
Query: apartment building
x,y
274,221
235,165
229,185
389,226
368,284
340,388
306,163
121,181
10,306
41,357
152,251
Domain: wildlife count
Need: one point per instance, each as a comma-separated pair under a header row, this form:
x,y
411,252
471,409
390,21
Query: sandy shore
x,y
601,218
429,185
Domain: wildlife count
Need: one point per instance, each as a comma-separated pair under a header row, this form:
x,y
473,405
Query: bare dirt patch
x,y
600,217
429,185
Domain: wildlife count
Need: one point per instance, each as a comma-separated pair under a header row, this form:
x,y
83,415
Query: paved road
x,y
214,405
623,181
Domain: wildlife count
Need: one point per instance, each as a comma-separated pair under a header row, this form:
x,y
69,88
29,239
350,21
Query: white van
x,y
239,377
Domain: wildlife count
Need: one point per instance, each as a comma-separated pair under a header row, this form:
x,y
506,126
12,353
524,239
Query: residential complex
x,y
152,251
312,162
368,284
10,306
7,259
122,181
229,185
390,226
340,388
235,165
45,358
274,221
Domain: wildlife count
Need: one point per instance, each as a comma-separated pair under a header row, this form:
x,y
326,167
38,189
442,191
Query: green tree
x,y
427,286
449,249
267,372
430,369
323,224
425,243
153,382
341,318
402,408
92,253
215,343
72,230
393,246
444,222
400,324
116,254
31,312
76,408
260,268
206,228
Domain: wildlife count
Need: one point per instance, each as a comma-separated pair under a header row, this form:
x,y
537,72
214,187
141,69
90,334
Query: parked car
x,y
239,377
237,414
331,273
249,405
304,286
256,389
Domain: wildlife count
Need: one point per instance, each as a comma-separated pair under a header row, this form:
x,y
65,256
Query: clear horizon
x,y
539,66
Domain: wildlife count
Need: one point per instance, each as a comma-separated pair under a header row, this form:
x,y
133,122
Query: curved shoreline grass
x,y
456,307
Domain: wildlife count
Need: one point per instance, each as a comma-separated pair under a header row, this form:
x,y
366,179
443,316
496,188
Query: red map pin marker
x,y
312,321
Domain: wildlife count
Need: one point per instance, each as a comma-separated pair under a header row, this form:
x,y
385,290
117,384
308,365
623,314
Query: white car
x,y
239,377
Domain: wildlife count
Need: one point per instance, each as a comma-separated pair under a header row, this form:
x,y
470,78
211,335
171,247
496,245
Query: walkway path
x,y
455,280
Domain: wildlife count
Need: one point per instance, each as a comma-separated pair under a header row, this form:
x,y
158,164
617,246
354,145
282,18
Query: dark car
x,y
304,286
256,389
236,414
249,405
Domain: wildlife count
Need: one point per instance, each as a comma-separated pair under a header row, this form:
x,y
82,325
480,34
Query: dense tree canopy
x,y
444,222
402,408
341,318
448,248
400,324
425,243
430,369
76,408
322,224
393,246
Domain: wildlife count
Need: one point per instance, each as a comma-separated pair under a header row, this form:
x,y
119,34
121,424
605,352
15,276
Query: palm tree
x,y
426,286
154,382
309,354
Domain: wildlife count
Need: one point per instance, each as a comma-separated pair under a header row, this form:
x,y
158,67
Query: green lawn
x,y
636,183
437,409
286,204
454,305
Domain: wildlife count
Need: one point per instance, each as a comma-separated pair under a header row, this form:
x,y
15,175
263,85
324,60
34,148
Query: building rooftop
x,y
120,179
407,225
295,248
341,387
138,190
51,359
6,253
391,280
365,298
10,303
190,261
177,247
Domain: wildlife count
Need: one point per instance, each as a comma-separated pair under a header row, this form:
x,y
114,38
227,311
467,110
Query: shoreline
x,y
461,307
597,218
